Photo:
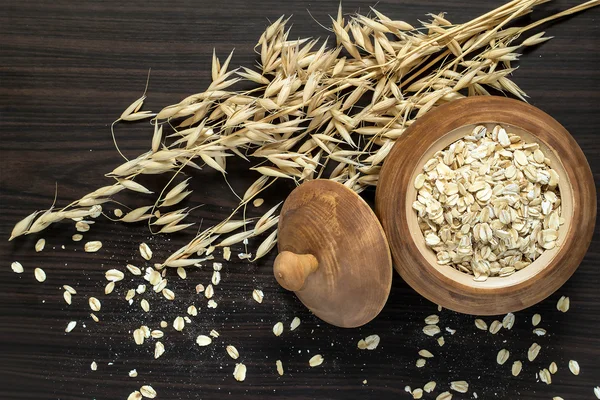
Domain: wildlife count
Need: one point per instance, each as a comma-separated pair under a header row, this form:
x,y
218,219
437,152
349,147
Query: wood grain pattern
x,y
68,70
333,254
448,287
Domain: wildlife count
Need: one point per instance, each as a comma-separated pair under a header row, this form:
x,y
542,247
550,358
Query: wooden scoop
x,y
333,254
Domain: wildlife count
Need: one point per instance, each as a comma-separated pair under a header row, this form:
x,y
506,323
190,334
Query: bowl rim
x,y
478,297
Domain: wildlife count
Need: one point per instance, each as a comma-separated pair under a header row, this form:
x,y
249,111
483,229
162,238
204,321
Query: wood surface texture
x,y
416,262
68,69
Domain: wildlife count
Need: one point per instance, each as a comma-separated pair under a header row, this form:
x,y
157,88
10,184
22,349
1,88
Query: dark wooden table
x,y
67,69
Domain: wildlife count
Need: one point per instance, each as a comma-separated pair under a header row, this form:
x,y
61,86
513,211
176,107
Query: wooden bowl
x,y
333,253
446,286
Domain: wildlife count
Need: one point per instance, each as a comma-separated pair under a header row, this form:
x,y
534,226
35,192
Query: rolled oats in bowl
x,y
488,204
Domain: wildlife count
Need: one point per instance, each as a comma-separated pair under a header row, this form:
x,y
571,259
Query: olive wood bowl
x,y
446,286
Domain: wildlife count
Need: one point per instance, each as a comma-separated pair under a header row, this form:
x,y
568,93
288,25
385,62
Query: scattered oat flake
x,y
480,324
92,247
133,269
279,366
216,278
39,245
159,349
509,321
93,366
181,272
432,319
258,202
239,373
203,340
95,304
168,294
133,373
148,391
431,330
145,252
533,351
69,289
199,288
108,289
316,360
227,253
130,294
278,329
118,213
163,324
502,356
545,376
157,334
417,393
232,351
67,297
441,341
114,275
212,304
17,267
77,237
574,367
295,323
214,333
539,331
146,331
369,343
553,368
40,275
82,226
563,304
70,326
597,391
495,327
429,386
209,291
258,295
145,305
536,319
425,353
179,324
459,386
94,317
138,336
516,368
444,396
192,310
421,363
135,396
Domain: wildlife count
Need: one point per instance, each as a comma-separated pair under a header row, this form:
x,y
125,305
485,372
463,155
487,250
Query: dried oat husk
x,y
339,103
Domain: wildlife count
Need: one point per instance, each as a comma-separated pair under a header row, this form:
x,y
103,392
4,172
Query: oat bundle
x,y
314,105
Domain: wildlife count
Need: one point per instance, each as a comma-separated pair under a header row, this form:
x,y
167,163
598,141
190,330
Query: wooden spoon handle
x,y
291,269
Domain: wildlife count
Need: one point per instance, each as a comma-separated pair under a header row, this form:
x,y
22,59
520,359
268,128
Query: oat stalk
x,y
318,110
